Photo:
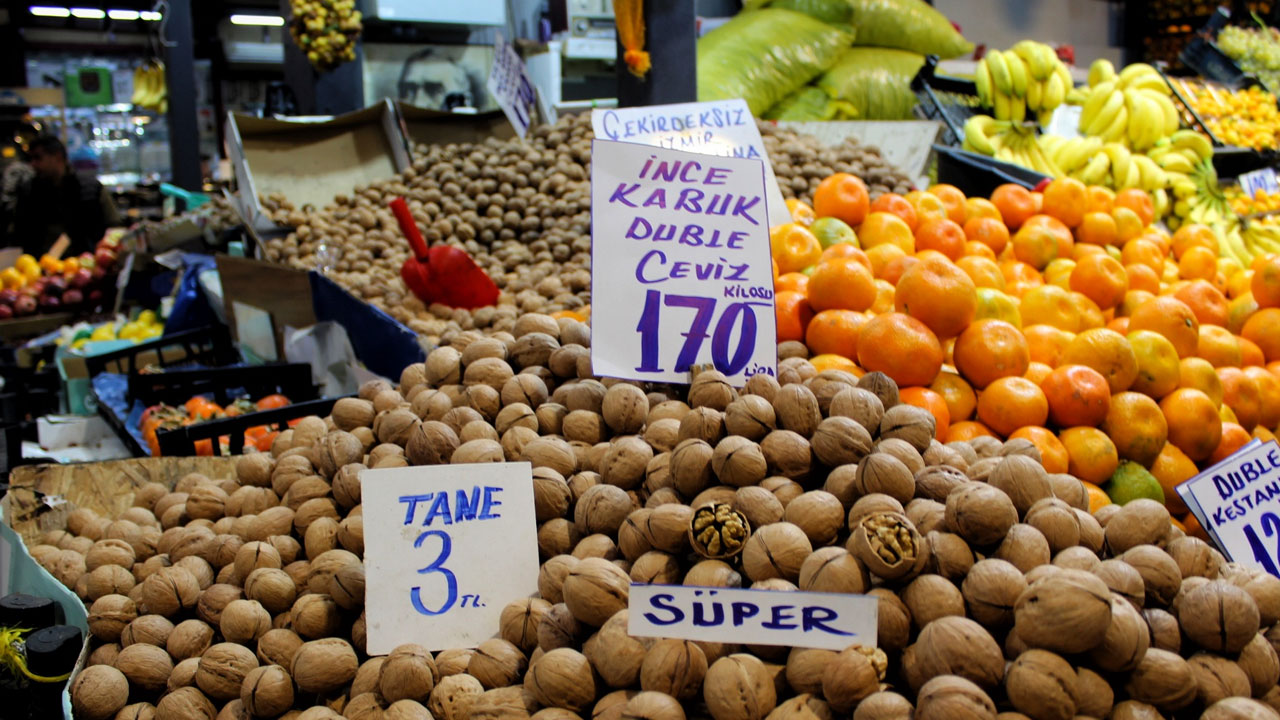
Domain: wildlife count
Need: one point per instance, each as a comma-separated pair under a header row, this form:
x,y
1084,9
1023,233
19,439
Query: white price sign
x,y
446,548
827,621
1237,501
720,127
510,84
1264,179
680,263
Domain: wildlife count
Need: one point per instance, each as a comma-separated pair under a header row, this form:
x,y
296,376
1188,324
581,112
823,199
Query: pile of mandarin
x,y
1064,317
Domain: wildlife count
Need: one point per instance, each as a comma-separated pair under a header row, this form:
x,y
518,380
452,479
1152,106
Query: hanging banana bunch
x,y
629,16
149,89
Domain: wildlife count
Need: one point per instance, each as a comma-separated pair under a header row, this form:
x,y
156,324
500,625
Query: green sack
x,y
875,81
809,104
836,12
765,55
907,25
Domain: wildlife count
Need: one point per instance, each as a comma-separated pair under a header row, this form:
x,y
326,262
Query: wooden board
x,y
906,144
41,496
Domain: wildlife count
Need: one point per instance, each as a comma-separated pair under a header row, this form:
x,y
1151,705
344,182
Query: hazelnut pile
x,y
999,594
522,209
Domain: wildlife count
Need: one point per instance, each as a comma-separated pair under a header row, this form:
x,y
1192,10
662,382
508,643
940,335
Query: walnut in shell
x,y
222,670
562,678
409,672
1042,685
324,665
949,697
1068,611
888,544
776,550
739,687
674,667
1219,616
267,691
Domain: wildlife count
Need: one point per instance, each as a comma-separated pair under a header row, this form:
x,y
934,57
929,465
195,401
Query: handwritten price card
x,y
680,264
510,84
827,621
446,548
1238,502
721,127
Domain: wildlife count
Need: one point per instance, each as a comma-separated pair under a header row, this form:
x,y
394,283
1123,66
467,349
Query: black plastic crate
x,y
979,175
952,101
182,441
1202,55
210,346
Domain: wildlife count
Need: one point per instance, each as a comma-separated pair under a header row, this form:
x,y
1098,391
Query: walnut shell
x,y
674,667
147,666
751,417
562,678
1139,522
222,670
980,513
614,654
1042,685
949,697
885,474
739,687
1162,679
453,696
322,666
186,703
1217,678
1260,664
990,590
1022,479
888,544
595,589
954,646
833,569
267,691
408,673
1068,611
777,550
497,663
244,621
1219,616
1126,641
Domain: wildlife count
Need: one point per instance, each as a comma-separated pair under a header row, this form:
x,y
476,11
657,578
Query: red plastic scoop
x,y
442,274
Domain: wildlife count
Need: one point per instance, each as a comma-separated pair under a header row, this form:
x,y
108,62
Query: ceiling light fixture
x,y
88,13
263,20
124,14
150,15
46,11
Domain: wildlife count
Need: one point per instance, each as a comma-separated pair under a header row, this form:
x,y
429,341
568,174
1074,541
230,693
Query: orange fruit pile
x,y
1064,317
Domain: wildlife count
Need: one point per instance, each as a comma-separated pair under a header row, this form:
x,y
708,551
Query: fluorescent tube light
x,y
46,11
88,13
264,20
124,14
150,15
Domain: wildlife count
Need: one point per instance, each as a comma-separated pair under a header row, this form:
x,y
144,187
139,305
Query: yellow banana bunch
x,y
1028,78
149,88
1133,107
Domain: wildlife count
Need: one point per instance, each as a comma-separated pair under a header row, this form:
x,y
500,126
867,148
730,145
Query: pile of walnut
x,y
521,209
998,592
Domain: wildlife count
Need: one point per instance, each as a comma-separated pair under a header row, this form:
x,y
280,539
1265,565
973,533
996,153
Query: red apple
x,y
104,257
50,302
55,284
81,278
72,297
6,312
8,296
24,305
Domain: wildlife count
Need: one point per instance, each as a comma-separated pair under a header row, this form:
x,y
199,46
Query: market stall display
x,y
1255,49
522,210
1246,118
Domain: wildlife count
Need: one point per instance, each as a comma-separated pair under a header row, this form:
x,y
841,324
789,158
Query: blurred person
x,y
58,200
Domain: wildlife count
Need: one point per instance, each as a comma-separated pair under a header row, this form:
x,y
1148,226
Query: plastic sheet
x,y
876,82
763,56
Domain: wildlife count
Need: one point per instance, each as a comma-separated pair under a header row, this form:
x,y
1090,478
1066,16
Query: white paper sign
x,y
1237,501
446,548
1264,179
720,127
680,263
510,84
827,621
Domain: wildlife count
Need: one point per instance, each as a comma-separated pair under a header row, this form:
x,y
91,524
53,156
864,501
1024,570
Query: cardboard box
x,y
434,127
281,293
310,162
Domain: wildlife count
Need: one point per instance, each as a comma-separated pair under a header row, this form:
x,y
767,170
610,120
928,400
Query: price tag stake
x,y
446,548
681,266
1237,501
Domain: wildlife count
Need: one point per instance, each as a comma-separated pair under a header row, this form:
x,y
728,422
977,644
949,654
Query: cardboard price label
x,y
511,85
721,127
680,263
1237,501
446,548
1264,179
826,621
